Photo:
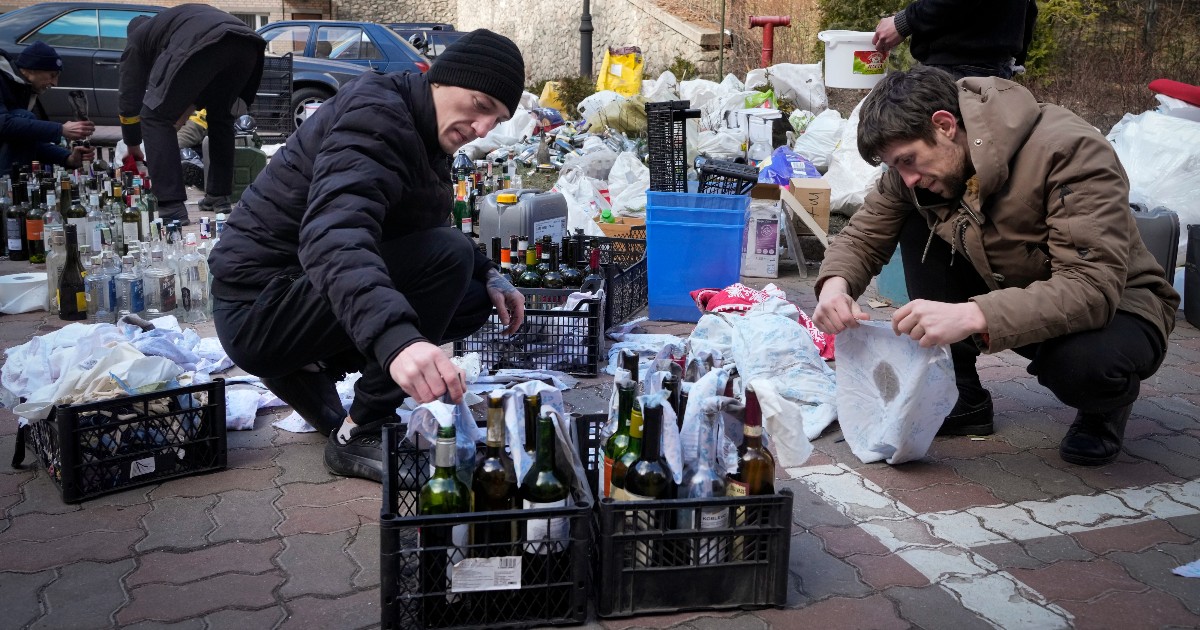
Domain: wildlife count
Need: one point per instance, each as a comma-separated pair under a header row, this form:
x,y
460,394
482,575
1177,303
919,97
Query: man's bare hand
x,y
425,373
509,302
78,129
886,35
136,152
78,155
938,323
836,310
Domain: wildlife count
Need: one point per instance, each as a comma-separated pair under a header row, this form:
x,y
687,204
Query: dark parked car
x,y
431,38
90,37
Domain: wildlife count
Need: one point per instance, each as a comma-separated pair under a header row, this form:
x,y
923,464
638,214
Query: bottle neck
x,y
495,425
532,404
752,429
545,443
625,394
652,433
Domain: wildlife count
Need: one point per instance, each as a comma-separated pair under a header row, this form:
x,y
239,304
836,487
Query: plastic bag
x,y
892,394
802,84
628,182
626,116
550,96
579,191
621,71
784,165
850,177
1161,154
505,134
661,89
723,143
760,99
591,105
820,138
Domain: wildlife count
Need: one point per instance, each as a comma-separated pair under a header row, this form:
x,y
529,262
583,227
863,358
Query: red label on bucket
x,y
869,61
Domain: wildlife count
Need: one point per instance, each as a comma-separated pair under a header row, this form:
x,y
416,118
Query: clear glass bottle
x,y
193,283
130,289
701,481
56,257
160,285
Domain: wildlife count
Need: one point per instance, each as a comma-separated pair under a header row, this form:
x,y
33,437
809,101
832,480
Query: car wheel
x,y
306,96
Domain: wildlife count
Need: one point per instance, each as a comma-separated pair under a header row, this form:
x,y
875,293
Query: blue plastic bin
x,y
695,200
683,257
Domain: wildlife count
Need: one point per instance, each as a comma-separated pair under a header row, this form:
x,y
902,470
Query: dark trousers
x,y
1093,371
211,80
291,327
958,71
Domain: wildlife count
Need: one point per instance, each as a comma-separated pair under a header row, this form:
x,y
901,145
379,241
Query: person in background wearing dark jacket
x,y
25,134
339,256
1031,242
187,57
964,38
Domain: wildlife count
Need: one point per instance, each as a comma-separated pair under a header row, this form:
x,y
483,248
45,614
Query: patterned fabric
x,y
738,298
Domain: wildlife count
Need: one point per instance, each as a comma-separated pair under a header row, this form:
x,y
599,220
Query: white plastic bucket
x,y
310,109
851,60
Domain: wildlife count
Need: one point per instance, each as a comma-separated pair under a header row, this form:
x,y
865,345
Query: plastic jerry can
x,y
534,214
248,162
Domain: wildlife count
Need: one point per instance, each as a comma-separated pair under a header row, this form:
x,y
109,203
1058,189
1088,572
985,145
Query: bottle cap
x,y
506,198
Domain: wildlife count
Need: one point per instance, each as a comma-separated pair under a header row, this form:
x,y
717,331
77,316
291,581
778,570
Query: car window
x,y
113,25
77,29
287,39
347,43
440,41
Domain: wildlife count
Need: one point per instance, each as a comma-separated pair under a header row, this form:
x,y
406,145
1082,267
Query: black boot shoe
x,y
313,395
1094,439
216,204
361,457
969,418
192,175
175,211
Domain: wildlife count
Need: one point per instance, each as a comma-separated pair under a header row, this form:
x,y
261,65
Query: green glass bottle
x,y
553,279
35,239
72,293
545,486
494,487
649,476
441,545
618,443
533,409
530,278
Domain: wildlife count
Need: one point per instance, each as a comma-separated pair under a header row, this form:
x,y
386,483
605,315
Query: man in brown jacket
x,y
1036,249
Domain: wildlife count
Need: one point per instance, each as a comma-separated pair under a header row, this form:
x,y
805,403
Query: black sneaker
x,y
193,175
1094,439
361,457
215,204
174,212
969,418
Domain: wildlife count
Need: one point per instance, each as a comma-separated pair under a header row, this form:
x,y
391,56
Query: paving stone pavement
x,y
992,532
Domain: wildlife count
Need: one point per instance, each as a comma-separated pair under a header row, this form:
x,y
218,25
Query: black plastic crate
x,y
91,449
725,177
567,341
625,281
272,106
644,565
415,589
666,143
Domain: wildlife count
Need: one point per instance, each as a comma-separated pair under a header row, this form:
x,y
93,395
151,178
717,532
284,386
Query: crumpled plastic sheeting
x,y
767,345
892,392
426,419
708,393
850,177
644,345
1191,569
514,420
241,407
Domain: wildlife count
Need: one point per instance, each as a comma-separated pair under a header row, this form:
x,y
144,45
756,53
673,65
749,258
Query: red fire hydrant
x,y
768,24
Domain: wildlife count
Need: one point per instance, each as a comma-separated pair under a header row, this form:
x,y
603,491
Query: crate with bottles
x,y
573,289
497,536
685,494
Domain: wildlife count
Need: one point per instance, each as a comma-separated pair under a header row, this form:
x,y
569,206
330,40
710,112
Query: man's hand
x,y
424,372
136,152
886,35
78,155
938,323
510,303
836,310
78,129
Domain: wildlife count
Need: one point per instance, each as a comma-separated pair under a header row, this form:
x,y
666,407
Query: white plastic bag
x,y
661,89
850,177
802,84
892,394
820,138
724,143
628,182
591,105
579,191
506,134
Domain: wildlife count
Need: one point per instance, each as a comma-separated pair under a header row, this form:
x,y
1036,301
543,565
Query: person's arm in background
x,y
135,71
920,16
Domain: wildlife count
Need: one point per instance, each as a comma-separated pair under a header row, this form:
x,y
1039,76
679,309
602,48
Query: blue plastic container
x,y
702,216
695,200
683,257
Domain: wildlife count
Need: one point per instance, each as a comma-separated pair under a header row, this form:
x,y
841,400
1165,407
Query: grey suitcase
x,y
1160,232
1191,277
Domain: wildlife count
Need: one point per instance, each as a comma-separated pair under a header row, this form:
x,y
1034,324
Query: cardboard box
x,y
813,197
760,247
620,228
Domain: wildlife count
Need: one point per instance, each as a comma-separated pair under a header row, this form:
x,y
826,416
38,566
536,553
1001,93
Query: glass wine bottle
x,y
552,279
516,261
571,274
701,481
15,223
530,278
594,279
494,487
755,476
545,486
443,493
72,292
532,407
543,252
649,476
617,443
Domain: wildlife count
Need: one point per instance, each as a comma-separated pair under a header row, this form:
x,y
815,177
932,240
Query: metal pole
x,y
721,56
585,41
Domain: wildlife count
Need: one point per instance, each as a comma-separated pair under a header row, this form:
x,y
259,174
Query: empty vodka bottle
x,y
130,291
193,283
160,283
99,292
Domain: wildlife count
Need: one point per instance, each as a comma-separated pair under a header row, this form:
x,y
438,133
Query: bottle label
x,y
15,244
137,301
621,494
80,302
737,489
33,229
636,422
752,430
130,231
608,466
715,518
466,225
546,535
186,296
487,574
166,293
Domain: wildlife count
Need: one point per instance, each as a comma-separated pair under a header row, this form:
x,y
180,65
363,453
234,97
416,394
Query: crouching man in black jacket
x,y
339,257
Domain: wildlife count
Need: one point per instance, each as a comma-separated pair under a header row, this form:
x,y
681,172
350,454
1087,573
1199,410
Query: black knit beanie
x,y
485,61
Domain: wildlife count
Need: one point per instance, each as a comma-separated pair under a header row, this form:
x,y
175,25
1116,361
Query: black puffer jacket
x,y
365,169
159,48
25,137
954,32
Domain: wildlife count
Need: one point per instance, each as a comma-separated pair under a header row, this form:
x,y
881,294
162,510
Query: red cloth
x,y
738,298
1183,91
